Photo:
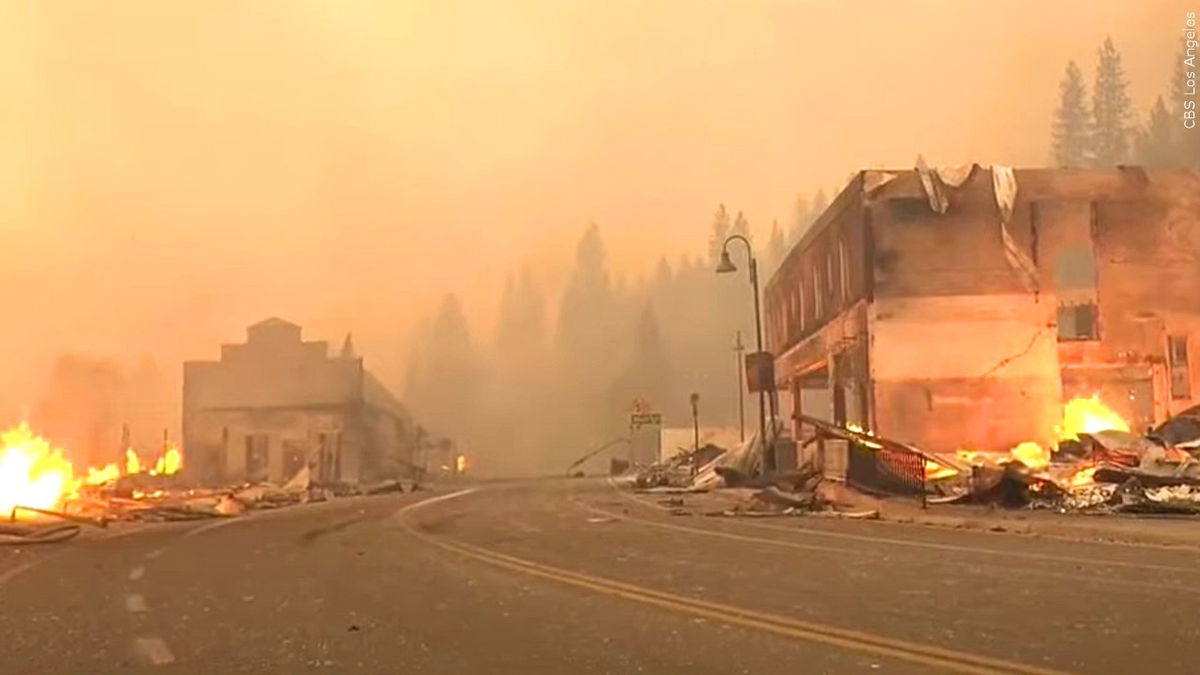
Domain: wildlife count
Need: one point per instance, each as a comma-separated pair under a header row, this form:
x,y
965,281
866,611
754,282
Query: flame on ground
x,y
1083,477
1031,455
169,463
32,472
936,471
1086,416
132,464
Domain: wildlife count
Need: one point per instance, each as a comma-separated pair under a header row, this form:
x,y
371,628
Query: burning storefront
x,y
276,404
989,310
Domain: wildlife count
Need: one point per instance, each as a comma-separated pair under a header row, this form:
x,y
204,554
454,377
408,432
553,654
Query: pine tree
x,y
1155,144
720,231
801,218
776,248
1111,109
1071,130
741,226
444,374
819,203
1187,141
521,324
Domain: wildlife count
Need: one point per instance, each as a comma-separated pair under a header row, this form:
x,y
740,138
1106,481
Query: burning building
x,y
277,403
966,307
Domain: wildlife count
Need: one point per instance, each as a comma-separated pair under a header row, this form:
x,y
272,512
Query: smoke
x,y
174,171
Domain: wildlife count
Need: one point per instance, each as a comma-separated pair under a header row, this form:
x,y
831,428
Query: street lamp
x,y
726,266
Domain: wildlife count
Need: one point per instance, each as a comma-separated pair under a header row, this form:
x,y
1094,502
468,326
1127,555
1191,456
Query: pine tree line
x,y
1105,132
561,374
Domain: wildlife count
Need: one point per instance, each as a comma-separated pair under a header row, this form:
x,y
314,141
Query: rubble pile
x,y
1108,471
734,473
1093,470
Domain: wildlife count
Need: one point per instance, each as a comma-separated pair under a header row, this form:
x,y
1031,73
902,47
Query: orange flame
x,y
32,472
1086,416
1031,455
169,463
1085,476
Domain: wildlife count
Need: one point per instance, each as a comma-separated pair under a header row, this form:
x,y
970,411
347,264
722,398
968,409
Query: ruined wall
x,y
960,351
218,449
289,396
962,354
1142,230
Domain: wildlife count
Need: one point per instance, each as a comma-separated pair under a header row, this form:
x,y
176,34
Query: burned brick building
x,y
276,403
961,308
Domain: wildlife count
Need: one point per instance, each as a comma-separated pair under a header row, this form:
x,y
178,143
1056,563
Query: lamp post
x,y
726,266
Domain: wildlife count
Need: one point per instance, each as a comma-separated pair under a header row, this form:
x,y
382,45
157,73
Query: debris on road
x,y
37,533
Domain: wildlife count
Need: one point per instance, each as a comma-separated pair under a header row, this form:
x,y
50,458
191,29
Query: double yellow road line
x,y
926,655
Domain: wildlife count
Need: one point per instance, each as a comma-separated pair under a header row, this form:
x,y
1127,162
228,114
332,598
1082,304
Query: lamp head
x,y
726,265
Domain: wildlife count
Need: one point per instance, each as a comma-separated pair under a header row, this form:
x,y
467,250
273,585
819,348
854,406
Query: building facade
x,y
961,309
276,403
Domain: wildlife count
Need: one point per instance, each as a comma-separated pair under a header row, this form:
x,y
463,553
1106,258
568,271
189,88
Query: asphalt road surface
x,y
572,576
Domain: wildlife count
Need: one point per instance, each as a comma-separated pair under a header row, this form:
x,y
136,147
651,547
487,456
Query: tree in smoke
x,y
1186,145
1111,109
1156,146
648,374
521,326
819,203
516,389
1071,130
587,303
776,248
801,218
589,326
444,374
720,232
741,226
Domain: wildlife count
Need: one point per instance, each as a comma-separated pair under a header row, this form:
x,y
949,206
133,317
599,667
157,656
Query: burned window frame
x,y
818,304
843,271
802,315
1178,367
1093,333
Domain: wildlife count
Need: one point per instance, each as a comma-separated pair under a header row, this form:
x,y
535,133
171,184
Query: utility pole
x,y
695,422
695,430
738,349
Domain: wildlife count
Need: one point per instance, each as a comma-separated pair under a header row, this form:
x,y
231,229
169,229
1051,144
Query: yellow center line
x,y
938,657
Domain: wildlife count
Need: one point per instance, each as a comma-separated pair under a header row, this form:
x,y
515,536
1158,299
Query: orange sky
x,y
176,170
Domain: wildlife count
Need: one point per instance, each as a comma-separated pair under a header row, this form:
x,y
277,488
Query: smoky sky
x,y
173,171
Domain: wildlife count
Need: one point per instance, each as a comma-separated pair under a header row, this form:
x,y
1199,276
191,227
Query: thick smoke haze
x,y
174,171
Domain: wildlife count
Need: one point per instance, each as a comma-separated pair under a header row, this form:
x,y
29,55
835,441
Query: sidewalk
x,y
1123,528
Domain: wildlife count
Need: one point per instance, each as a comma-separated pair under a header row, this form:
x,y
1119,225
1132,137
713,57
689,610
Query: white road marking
x,y
136,573
153,650
154,554
134,602
214,525
433,500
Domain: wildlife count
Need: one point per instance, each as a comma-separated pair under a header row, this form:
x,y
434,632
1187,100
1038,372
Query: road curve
x,y
572,576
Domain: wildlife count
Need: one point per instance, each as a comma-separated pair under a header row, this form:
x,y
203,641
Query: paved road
x,y
574,577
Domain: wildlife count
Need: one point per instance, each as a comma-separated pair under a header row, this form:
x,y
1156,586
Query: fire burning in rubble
x,y
1087,416
34,473
1082,415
